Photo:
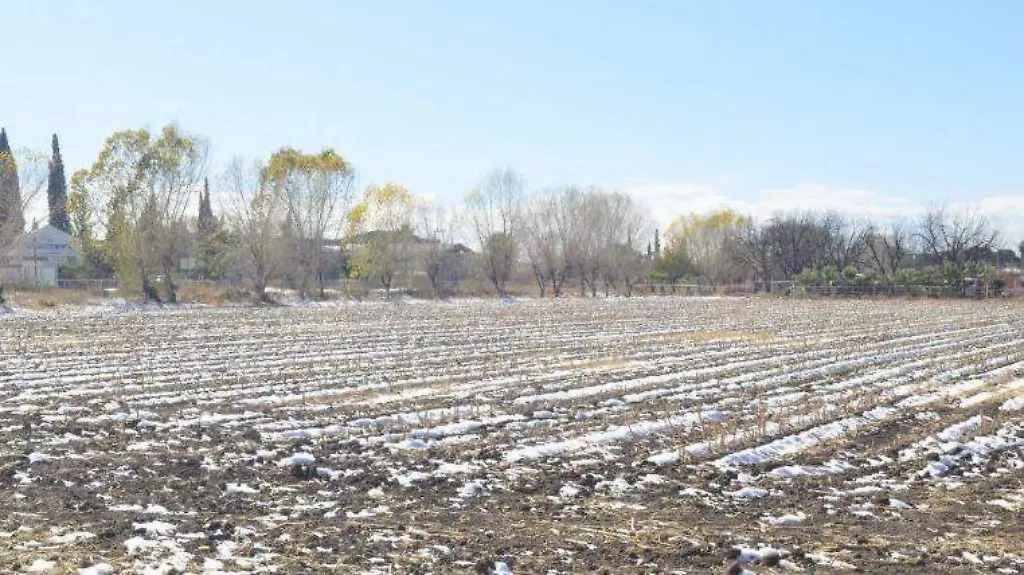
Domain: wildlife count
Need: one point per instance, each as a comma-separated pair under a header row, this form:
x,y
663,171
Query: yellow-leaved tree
x,y
381,238
707,243
316,190
142,183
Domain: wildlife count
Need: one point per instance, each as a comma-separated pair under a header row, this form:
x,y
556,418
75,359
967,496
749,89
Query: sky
x,y
875,108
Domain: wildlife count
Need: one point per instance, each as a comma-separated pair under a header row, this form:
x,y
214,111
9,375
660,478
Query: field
x,y
618,435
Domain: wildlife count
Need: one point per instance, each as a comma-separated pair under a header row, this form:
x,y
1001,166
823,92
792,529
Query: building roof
x,y
44,242
49,234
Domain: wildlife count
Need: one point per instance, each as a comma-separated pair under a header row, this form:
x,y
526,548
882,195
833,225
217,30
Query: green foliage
x,y
12,215
141,183
212,240
57,191
949,279
382,223
703,246
673,266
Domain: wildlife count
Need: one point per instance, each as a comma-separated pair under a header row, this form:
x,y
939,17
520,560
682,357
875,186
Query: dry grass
x,y
207,293
51,298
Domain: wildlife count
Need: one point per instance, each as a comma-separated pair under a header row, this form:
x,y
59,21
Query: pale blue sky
x,y
896,103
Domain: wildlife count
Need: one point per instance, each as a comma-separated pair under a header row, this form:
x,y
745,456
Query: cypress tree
x,y
208,248
12,215
57,191
206,220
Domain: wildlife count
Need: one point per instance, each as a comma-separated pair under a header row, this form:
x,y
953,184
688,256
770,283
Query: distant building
x,y
420,244
1013,280
36,258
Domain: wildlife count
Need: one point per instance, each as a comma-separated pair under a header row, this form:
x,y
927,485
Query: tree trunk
x,y
169,288
259,292
149,292
495,280
542,283
434,284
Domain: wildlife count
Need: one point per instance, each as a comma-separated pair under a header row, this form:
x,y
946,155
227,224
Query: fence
x,y
970,291
362,289
686,289
96,286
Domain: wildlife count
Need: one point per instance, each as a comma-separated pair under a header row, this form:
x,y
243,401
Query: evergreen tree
x,y
206,220
57,191
211,242
12,215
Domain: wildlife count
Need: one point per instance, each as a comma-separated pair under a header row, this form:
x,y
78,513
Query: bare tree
x,y
843,241
255,215
797,241
442,258
592,231
585,234
538,242
495,212
952,236
754,248
630,268
626,224
888,248
550,237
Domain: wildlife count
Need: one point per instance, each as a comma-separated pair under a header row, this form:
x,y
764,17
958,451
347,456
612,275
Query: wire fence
x,y
89,285
362,289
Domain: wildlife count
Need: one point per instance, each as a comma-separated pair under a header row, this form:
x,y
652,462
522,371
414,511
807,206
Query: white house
x,y
34,260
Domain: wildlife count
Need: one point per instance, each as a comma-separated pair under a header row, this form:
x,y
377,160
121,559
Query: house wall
x,y
34,261
39,273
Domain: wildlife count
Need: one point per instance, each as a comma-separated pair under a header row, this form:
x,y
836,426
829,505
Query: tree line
x,y
297,220
143,213
949,248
